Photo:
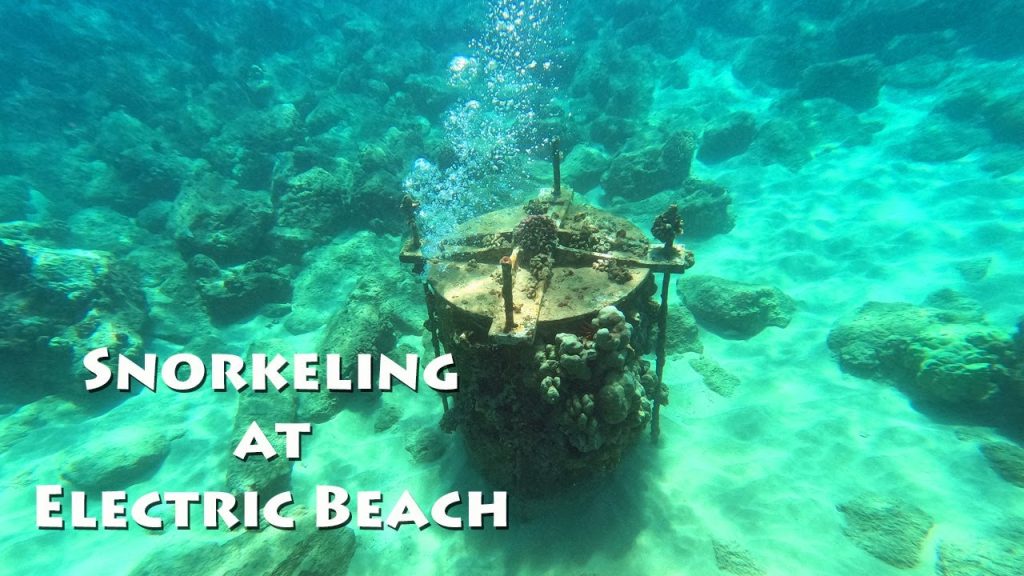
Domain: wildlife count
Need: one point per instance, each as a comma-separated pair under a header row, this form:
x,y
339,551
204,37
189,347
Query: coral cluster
x,y
536,234
601,389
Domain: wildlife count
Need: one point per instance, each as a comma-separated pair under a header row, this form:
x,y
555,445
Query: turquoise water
x,y
844,362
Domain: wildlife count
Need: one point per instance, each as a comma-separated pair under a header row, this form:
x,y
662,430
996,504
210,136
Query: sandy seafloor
x,y
764,468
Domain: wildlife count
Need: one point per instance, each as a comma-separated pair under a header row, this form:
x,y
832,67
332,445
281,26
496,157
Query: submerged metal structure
x,y
547,310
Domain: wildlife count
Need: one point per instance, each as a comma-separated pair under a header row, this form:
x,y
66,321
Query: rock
x,y
780,141
584,166
14,198
921,72
728,137
240,291
853,81
733,309
939,140
958,364
268,130
1007,460
363,325
988,557
974,269
299,552
154,216
29,419
612,404
214,218
683,335
773,60
387,416
716,378
941,353
116,460
887,528
1005,118
426,445
704,207
870,26
56,306
268,409
309,211
872,342
145,162
103,229
732,558
650,162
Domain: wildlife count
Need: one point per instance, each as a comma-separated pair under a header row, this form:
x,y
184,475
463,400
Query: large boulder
x,y
703,205
365,324
309,210
727,137
651,161
733,309
212,216
853,81
116,460
56,305
940,353
234,293
583,167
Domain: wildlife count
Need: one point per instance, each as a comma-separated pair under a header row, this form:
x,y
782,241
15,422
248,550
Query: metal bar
x,y
556,162
506,291
659,370
432,320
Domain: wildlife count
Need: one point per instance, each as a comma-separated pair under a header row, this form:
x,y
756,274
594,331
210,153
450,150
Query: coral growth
x,y
536,234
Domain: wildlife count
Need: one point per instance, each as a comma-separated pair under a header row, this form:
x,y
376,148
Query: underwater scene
x,y
524,287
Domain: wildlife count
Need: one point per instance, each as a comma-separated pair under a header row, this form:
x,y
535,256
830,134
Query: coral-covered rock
x,y
853,81
735,309
936,139
257,473
727,137
305,550
211,216
733,558
959,363
683,335
427,445
889,529
716,378
55,306
268,130
940,353
583,167
781,141
773,60
13,198
145,162
240,291
996,556
310,210
1007,460
650,162
116,460
703,205
363,325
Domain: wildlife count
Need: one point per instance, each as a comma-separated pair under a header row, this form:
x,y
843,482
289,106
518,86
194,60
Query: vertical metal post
x,y
506,291
666,280
432,321
556,162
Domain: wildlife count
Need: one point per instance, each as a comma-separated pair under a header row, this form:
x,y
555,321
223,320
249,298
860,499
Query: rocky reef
x,y
941,353
735,309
